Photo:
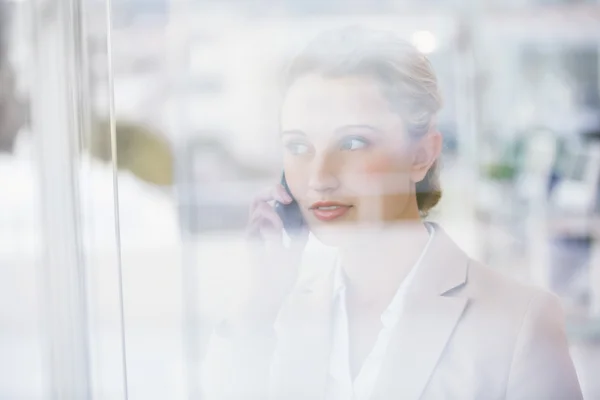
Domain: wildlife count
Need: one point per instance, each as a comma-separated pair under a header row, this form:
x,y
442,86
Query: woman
x,y
405,314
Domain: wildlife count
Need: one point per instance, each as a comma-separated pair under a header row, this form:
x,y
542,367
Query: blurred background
x,y
112,272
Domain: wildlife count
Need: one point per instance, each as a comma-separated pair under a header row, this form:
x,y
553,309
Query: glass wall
x,y
62,334
134,135
20,343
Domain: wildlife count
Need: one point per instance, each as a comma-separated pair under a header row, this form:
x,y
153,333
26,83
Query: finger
x,y
277,193
271,235
262,228
264,196
264,233
265,215
282,195
262,220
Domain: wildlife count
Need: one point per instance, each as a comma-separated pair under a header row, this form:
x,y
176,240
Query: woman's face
x,y
347,159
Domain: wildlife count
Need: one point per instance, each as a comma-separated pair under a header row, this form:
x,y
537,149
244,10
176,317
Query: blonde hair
x,y
405,75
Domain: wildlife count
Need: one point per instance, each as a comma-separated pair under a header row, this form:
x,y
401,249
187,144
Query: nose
x,y
323,175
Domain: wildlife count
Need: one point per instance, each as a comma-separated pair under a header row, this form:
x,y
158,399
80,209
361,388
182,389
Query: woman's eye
x,y
354,144
297,148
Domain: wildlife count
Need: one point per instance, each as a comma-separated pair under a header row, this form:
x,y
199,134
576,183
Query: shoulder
x,y
515,334
492,295
528,322
509,300
484,283
529,326
500,304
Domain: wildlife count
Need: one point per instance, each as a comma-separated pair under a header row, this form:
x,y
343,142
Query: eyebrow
x,y
358,126
293,132
337,131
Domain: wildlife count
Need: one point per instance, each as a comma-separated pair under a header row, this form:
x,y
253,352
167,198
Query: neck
x,y
378,263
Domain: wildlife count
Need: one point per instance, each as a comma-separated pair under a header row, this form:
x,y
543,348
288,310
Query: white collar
x,y
391,314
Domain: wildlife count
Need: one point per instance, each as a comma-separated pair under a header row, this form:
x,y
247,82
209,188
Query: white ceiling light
x,y
424,41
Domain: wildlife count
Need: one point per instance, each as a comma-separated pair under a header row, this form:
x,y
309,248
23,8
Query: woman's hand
x,y
264,225
274,265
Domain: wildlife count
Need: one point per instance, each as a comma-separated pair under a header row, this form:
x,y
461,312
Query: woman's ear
x,y
426,152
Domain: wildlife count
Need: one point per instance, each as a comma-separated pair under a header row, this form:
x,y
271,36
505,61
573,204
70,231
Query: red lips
x,y
329,210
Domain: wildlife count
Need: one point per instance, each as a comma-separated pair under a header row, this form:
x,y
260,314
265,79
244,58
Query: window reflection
x,y
196,92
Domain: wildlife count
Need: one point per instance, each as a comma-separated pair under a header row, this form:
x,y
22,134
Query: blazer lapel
x,y
301,362
430,314
432,309
416,346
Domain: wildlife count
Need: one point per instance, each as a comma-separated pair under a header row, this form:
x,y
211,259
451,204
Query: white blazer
x,y
466,332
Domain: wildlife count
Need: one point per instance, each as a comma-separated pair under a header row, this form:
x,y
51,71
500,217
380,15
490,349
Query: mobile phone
x,y
290,214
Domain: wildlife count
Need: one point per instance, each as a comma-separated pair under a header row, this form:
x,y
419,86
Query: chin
x,y
338,234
